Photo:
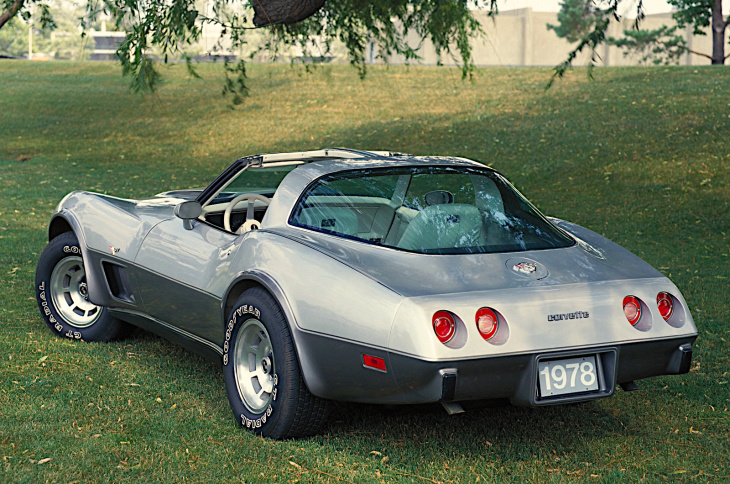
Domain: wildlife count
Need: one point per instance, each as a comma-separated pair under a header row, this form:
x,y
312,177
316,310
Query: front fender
x,y
98,292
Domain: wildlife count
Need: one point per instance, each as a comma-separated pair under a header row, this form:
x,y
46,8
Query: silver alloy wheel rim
x,y
70,293
253,366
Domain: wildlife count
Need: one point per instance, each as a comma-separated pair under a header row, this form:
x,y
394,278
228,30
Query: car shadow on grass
x,y
497,428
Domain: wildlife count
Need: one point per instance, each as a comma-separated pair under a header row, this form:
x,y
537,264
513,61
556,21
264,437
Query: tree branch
x,y
10,13
215,21
701,54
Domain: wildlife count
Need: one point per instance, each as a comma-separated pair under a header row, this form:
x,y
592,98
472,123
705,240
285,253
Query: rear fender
x,y
262,279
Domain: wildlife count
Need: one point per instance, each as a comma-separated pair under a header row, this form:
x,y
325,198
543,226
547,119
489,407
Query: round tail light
x,y
487,322
444,326
632,309
665,304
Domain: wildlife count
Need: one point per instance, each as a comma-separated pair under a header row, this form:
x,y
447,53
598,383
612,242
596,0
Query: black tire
x,y
61,292
264,383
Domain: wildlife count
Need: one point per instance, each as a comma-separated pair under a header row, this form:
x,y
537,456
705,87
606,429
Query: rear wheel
x,y
63,295
265,387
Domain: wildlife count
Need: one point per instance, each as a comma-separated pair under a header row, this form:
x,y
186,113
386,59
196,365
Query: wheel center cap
x,y
266,365
84,291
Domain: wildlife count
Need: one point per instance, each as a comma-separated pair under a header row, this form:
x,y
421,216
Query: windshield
x,y
431,210
263,181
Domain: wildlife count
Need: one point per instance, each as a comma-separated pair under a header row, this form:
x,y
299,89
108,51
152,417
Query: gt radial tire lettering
x,y
255,424
46,310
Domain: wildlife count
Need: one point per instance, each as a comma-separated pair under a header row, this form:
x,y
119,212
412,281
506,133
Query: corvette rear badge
x,y
525,267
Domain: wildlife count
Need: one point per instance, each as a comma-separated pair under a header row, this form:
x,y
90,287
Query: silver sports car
x,y
364,276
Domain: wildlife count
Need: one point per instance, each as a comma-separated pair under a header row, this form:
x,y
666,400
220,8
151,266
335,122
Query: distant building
x,y
105,43
513,38
521,38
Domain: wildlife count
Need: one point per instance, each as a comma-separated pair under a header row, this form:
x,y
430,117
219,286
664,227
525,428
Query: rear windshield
x,y
430,210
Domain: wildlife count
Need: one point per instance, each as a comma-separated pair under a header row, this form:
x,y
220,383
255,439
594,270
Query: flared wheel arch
x,y
60,224
263,280
64,222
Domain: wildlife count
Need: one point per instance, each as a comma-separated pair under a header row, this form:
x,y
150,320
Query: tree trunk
x,y
10,13
718,33
268,12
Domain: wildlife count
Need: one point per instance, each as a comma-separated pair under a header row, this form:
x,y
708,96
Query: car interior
x,y
418,212
419,209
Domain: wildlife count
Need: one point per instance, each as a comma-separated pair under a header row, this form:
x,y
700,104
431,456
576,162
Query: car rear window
x,y
430,210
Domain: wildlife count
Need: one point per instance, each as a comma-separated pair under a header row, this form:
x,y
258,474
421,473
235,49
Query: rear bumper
x,y
515,377
411,380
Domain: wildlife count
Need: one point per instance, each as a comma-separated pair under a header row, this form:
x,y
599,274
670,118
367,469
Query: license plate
x,y
571,375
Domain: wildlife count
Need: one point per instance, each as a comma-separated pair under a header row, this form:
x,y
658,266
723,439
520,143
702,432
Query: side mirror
x,y
188,210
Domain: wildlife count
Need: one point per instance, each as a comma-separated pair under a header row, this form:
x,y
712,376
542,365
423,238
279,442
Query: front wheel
x,y
265,387
63,295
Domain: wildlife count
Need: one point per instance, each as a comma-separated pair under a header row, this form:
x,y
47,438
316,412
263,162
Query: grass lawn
x,y
640,155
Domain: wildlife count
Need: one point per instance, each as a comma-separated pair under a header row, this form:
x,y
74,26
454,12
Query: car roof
x,y
330,160
315,164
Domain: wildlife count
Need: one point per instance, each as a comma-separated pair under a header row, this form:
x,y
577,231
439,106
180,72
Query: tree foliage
x,y
662,45
168,27
576,18
658,46
9,9
63,41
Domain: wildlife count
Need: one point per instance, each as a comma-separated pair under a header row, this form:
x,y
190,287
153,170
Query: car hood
x,y
591,259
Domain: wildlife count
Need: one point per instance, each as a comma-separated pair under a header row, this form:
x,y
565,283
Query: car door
x,y
182,275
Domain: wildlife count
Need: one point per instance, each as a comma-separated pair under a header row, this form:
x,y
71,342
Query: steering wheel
x,y
250,223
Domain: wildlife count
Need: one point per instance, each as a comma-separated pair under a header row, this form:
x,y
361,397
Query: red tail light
x,y
444,326
665,304
487,322
374,362
632,309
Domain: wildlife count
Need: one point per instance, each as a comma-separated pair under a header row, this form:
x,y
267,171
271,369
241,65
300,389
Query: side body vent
x,y
118,281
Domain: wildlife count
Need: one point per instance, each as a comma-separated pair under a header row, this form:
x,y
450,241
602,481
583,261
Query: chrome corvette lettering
x,y
566,316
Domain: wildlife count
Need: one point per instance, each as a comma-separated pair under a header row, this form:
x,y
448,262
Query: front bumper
x,y
342,375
